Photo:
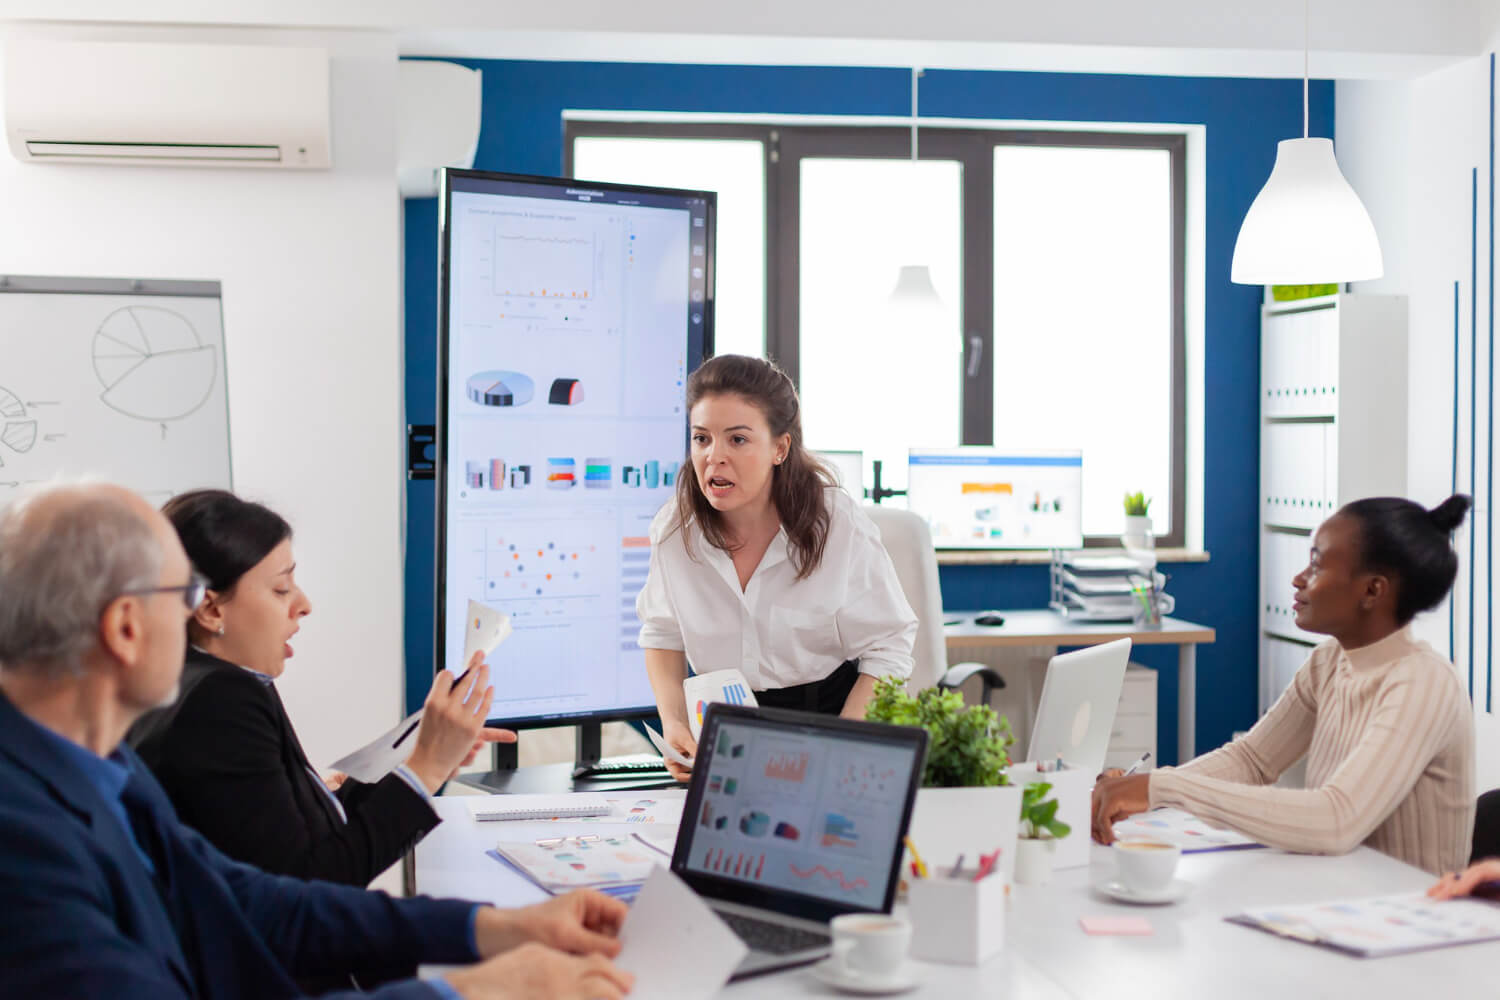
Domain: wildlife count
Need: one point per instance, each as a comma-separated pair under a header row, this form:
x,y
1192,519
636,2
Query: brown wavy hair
x,y
797,484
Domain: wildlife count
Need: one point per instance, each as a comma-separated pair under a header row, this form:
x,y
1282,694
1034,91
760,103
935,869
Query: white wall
x,y
1410,149
1349,38
310,266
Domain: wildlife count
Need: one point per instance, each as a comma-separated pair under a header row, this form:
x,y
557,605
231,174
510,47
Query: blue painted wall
x,y
522,132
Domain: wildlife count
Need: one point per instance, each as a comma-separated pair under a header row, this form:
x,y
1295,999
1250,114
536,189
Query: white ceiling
x,y
1349,38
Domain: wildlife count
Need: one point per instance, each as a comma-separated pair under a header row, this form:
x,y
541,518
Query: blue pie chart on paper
x,y
500,388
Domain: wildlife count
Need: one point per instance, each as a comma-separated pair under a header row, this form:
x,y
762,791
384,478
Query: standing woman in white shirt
x,y
760,562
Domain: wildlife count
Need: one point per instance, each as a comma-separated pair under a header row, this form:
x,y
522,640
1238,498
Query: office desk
x,y
1050,629
1193,953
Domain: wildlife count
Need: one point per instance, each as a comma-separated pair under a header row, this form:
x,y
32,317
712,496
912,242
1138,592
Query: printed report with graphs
x,y
817,815
570,313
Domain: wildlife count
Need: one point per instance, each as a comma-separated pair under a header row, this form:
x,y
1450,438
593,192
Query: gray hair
x,y
66,551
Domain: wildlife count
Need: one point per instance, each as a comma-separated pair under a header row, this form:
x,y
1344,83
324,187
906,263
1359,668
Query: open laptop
x,y
1079,699
792,819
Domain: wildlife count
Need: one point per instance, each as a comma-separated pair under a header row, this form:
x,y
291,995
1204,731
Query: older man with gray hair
x,y
105,893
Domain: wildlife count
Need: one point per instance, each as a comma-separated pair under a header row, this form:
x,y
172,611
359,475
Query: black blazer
x,y
227,756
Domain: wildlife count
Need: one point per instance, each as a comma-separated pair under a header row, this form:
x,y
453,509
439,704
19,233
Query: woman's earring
x,y
220,630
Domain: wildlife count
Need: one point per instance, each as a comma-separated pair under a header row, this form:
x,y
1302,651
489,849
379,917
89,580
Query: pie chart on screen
x,y
152,364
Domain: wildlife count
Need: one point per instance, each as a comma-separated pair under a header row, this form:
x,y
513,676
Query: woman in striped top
x,y
1381,717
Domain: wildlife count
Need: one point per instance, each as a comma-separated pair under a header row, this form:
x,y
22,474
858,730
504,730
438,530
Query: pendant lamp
x,y
1307,226
914,285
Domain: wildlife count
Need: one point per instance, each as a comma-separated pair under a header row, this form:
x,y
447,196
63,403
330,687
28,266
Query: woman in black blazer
x,y
226,752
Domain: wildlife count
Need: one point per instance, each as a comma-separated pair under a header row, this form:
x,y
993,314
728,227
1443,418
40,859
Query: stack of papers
x,y
1381,926
1184,830
581,863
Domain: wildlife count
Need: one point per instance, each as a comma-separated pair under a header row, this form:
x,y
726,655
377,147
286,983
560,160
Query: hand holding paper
x,y
467,696
667,750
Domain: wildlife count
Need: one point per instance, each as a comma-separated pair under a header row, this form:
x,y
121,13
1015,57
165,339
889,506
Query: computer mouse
x,y
991,618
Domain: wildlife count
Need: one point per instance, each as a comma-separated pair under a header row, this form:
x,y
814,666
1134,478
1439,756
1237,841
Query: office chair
x,y
1486,827
908,541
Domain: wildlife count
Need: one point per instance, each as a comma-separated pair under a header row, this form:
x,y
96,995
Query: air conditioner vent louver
x,y
167,105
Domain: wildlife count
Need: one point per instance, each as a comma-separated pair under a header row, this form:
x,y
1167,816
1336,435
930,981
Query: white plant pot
x,y
1034,861
1138,533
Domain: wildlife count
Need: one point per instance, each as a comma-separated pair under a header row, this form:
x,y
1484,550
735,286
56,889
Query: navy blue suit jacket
x,y
81,916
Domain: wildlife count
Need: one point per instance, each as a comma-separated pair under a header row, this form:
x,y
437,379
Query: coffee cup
x,y
1146,865
870,945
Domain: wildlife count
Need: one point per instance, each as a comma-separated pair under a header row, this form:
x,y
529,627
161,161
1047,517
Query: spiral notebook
x,y
537,807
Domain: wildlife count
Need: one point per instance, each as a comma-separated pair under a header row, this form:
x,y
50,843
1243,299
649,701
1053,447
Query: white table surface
x,y
1193,953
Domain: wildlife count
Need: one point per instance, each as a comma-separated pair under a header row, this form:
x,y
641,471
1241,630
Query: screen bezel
x,y
699,347
785,901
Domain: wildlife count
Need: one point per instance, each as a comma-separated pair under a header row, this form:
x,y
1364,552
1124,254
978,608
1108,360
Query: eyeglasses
x,y
192,592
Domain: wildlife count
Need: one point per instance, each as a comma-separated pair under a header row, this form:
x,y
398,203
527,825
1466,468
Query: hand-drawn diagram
x,y
152,364
17,433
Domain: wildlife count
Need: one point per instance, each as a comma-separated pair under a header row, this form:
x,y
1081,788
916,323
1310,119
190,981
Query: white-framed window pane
x,y
736,170
1083,318
877,376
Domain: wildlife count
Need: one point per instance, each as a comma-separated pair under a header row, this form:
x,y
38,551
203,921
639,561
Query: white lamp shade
x,y
1307,226
914,286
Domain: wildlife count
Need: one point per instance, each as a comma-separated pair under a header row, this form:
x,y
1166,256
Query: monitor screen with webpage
x,y
978,497
571,314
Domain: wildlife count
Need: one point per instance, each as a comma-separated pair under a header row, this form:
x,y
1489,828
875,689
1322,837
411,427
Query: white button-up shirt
x,y
779,631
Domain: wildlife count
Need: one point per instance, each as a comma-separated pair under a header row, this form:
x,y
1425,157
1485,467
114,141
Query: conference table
x,y
1192,953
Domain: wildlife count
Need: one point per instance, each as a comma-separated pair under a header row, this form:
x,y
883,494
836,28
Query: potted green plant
x,y
1038,834
1137,522
966,805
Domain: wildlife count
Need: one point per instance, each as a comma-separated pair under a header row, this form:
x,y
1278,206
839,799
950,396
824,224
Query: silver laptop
x,y
1079,699
792,819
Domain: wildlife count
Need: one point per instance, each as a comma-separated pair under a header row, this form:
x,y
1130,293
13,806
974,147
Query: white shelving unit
x,y
1333,429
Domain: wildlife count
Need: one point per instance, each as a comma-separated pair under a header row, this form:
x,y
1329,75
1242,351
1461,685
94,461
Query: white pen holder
x,y
1073,788
956,920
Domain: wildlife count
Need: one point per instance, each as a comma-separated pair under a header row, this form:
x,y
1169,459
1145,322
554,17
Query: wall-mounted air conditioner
x,y
437,122
166,104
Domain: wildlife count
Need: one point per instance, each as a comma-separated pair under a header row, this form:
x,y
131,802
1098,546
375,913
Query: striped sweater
x,y
1389,738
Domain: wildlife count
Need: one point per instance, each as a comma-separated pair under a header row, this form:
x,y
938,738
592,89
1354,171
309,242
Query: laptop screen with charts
x,y
797,816
1079,699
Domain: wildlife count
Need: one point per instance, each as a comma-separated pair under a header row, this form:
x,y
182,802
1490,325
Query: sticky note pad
x,y
1115,925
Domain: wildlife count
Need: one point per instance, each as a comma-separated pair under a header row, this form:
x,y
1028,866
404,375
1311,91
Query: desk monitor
x,y
849,468
570,316
1079,697
977,497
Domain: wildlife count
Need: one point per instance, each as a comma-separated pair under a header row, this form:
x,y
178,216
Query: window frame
x,y
787,145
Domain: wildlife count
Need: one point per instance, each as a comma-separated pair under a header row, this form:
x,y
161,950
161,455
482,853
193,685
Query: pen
x,y
413,727
1137,765
987,864
958,866
918,866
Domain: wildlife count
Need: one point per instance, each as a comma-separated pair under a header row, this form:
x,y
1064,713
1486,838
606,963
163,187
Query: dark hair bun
x,y
1449,514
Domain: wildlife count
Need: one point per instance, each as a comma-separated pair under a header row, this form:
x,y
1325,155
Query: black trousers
x,y
825,697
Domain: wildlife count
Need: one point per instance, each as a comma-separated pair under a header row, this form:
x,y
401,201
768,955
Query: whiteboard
x,y
118,380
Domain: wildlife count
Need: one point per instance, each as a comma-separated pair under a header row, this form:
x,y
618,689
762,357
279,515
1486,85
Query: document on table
x,y
485,629
1382,925
1184,830
675,946
580,862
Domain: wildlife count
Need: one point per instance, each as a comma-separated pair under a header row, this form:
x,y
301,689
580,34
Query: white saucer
x,y
833,973
1176,890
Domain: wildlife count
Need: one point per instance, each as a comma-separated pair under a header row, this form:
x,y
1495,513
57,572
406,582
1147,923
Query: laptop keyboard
x,y
777,939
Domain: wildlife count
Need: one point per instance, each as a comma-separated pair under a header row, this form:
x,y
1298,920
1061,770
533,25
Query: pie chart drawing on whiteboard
x,y
152,364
